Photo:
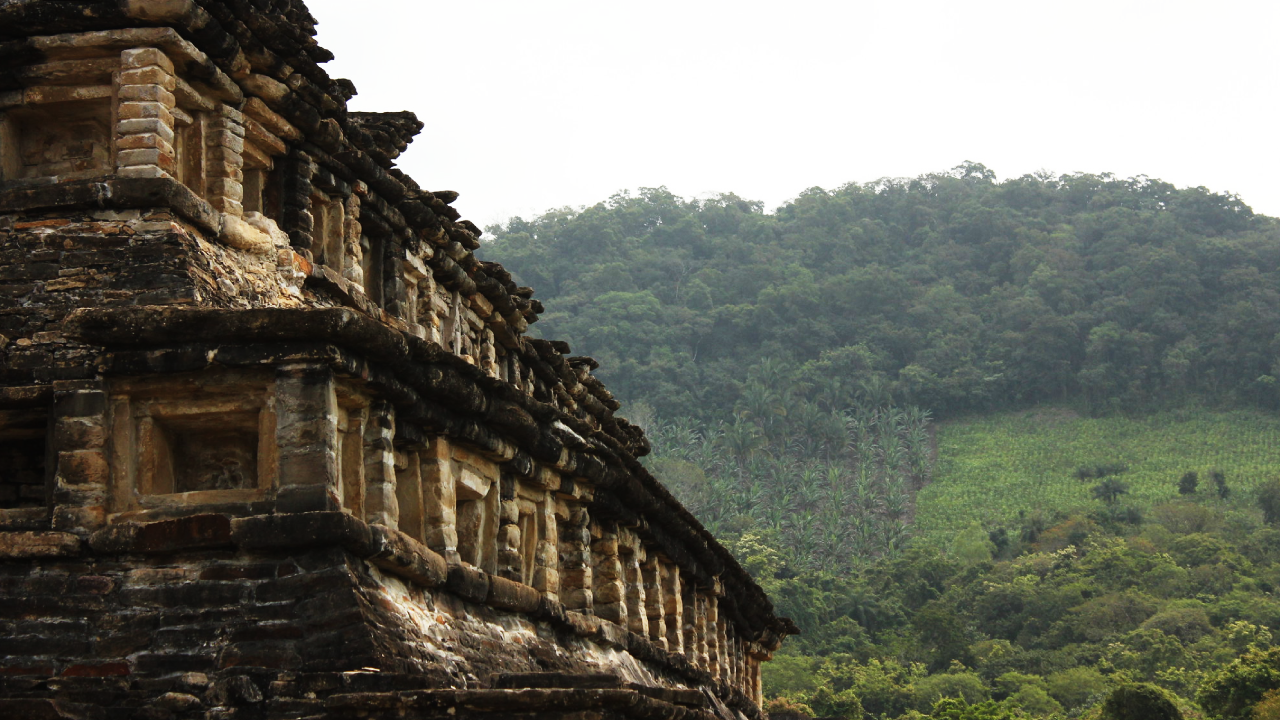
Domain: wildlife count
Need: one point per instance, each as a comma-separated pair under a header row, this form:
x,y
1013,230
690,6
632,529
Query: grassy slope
x,y
990,467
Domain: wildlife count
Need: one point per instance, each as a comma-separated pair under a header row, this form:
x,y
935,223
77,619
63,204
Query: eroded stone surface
x,y
275,442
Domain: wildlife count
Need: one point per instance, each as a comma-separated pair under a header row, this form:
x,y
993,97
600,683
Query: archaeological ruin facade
x,y
276,443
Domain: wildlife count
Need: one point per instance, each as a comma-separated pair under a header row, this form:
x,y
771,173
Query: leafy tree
x,y
1140,701
1269,501
1188,483
1232,693
1075,687
964,685
1110,490
1269,707
972,546
958,709
1035,700
1220,484
959,292
783,706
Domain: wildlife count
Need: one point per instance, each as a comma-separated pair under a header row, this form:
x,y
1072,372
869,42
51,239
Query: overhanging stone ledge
x,y
419,366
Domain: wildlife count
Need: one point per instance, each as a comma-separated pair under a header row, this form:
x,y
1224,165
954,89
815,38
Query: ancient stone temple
x,y
274,443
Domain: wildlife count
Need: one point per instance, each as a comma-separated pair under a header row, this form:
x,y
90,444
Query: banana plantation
x,y
831,474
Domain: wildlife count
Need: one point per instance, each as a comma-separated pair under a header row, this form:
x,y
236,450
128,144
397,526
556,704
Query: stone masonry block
x,y
442,539
143,126
614,611
143,171
546,580
144,141
231,115
148,93
15,545
225,155
226,139
83,433
223,125
227,188
149,156
227,205
149,76
146,57
80,520
83,467
509,537
224,170
610,592
82,404
83,495
139,110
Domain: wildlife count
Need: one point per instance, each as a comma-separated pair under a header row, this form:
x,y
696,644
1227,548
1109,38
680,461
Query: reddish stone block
x,y
39,224
95,584
196,531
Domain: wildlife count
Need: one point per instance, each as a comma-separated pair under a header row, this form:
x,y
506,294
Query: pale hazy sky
x,y
532,105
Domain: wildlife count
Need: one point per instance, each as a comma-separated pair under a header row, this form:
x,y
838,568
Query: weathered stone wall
x,y
275,441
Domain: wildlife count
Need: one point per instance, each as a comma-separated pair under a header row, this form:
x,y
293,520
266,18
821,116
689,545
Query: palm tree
x,y
760,404
769,371
741,440
1110,490
875,392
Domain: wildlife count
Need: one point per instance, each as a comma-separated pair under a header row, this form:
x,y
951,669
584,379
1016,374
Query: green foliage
x,y
1049,628
1076,332
786,706
948,291
1220,484
967,686
1076,687
956,709
1110,490
972,546
1140,701
1269,707
1035,701
832,484
992,467
1269,501
1233,692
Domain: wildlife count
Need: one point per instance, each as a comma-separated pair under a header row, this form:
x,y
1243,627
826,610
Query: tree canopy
x,y
950,291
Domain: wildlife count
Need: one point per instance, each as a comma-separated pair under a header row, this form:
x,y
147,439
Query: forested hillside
x,y
950,291
1008,443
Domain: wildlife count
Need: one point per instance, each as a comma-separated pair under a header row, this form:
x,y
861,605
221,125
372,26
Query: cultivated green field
x,y
991,467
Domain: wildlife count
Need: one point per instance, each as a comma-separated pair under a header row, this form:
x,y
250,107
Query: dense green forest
x,y
950,291
1002,449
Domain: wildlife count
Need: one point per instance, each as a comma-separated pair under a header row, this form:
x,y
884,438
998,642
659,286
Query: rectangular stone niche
x,y
57,141
185,442
200,452
23,459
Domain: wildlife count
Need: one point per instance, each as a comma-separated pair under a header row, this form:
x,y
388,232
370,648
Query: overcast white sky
x,y
531,105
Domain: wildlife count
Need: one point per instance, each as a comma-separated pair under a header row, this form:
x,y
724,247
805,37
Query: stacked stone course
x,y
274,443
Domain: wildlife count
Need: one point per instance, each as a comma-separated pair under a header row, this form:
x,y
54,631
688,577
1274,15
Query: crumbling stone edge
x,y
386,548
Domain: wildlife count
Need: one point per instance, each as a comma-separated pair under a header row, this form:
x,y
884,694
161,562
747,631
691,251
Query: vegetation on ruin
x,y
1001,449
